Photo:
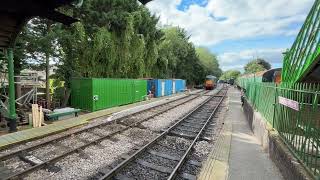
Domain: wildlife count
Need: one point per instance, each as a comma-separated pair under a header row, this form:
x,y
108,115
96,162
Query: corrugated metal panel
x,y
180,85
140,90
81,94
160,87
168,87
174,85
106,93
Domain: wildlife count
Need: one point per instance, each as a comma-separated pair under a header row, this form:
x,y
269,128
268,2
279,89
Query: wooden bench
x,y
56,115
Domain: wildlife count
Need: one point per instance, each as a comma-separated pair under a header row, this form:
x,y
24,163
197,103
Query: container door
x,y
162,87
173,86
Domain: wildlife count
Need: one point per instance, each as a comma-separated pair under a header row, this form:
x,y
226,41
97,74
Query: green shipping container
x,y
94,94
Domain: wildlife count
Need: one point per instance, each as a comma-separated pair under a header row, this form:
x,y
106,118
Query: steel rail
x,y
123,164
184,157
71,151
11,154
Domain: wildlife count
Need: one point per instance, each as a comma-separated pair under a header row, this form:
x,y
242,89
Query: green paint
x,y
305,51
299,129
12,106
94,94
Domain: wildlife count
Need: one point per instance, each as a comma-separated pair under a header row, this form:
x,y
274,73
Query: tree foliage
x,y
118,39
113,39
209,61
257,65
230,74
178,58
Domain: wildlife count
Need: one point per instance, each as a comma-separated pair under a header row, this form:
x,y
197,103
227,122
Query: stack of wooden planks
x,y
37,116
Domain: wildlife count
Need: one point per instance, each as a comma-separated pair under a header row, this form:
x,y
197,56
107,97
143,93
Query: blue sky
x,y
237,30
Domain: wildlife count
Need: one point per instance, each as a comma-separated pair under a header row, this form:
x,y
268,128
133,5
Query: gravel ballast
x,y
96,121
86,162
164,120
96,157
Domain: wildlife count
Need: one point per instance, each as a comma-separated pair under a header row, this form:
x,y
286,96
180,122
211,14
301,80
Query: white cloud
x,y
237,60
243,18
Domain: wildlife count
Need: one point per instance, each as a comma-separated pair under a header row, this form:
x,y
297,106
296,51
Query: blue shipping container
x,y
165,87
178,85
156,87
168,87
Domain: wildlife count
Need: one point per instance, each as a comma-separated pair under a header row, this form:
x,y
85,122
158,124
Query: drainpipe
x,y
12,106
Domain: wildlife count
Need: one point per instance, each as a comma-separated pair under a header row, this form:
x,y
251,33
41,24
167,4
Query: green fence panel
x,y
294,111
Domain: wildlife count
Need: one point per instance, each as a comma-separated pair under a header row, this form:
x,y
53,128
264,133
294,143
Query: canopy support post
x,y
12,106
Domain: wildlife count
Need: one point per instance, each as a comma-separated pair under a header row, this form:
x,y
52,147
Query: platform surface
x,y
62,125
237,154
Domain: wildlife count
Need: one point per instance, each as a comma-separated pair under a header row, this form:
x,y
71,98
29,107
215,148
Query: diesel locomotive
x,y
210,82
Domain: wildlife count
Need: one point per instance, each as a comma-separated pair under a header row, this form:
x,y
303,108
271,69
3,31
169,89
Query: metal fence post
x,y
274,105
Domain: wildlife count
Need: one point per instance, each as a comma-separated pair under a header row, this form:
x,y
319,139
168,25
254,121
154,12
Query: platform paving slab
x,y
237,154
62,125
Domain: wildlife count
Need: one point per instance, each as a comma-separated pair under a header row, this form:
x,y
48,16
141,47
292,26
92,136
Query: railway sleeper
x,y
154,167
123,177
33,161
195,123
192,130
209,130
205,138
191,126
183,135
82,154
163,155
97,134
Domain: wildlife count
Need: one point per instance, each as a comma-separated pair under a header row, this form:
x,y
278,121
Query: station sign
x,y
289,103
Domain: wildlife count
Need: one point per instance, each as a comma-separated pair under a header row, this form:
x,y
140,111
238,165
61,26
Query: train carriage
x,y
272,75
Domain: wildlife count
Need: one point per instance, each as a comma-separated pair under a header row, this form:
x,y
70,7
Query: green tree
x,y
41,46
253,68
210,61
230,74
178,58
117,38
257,65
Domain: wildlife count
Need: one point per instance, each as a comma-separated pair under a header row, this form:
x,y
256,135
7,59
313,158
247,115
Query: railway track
x,y
164,156
81,139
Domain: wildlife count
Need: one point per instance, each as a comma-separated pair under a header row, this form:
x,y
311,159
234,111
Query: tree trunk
x,y
47,82
66,97
47,54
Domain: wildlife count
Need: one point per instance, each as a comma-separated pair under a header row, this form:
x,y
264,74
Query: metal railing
x,y
305,51
294,111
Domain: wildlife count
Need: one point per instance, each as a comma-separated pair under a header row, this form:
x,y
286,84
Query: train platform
x,y
63,125
237,154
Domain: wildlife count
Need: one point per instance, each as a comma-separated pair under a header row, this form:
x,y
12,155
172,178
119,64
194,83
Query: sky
x,y
237,31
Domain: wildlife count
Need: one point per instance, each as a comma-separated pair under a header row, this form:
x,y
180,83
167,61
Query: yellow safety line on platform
x,y
216,167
